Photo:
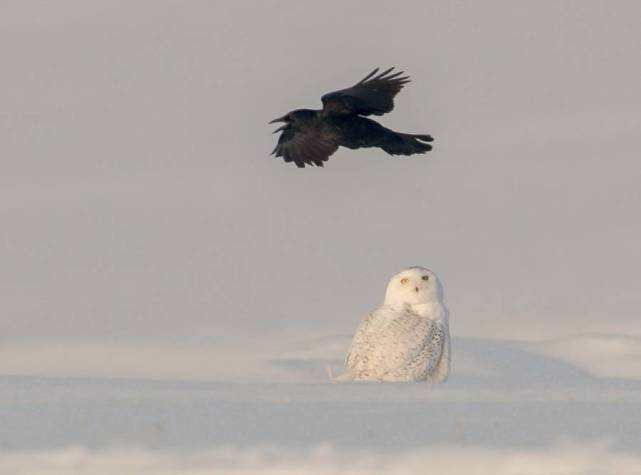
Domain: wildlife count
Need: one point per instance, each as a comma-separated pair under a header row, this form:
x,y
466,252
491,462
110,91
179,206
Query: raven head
x,y
295,117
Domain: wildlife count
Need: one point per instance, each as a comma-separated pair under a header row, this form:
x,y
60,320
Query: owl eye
x,y
404,280
426,277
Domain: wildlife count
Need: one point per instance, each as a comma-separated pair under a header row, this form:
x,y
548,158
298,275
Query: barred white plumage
x,y
407,338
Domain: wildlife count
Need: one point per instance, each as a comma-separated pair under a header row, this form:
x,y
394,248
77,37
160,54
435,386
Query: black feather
x,y
310,137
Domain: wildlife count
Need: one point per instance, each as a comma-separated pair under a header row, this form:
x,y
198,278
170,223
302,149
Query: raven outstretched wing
x,y
311,146
372,95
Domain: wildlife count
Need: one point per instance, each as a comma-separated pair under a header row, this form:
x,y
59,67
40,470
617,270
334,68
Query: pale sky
x,y
138,201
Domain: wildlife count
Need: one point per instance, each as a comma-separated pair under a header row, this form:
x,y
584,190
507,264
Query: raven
x,y
311,136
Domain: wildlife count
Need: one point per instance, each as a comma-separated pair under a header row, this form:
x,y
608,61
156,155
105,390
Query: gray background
x,y
138,202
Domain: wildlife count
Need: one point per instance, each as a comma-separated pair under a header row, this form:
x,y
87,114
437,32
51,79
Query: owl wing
x,y
442,369
409,348
366,338
361,346
392,345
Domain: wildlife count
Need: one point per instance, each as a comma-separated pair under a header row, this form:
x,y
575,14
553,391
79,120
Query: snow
x,y
509,407
611,356
563,458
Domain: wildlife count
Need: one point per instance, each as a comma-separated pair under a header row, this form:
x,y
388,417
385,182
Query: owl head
x,y
414,285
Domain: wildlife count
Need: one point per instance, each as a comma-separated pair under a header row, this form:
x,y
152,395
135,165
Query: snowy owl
x,y
408,337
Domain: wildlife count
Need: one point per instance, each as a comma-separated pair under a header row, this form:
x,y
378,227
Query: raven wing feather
x,y
372,95
311,147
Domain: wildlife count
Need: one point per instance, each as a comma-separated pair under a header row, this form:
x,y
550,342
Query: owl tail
x,y
341,378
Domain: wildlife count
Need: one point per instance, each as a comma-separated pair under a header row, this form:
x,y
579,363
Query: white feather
x,y
407,338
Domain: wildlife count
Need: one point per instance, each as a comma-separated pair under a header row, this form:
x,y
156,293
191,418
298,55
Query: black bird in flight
x,y
311,136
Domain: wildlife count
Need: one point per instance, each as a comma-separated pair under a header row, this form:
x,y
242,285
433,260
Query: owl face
x,y
415,285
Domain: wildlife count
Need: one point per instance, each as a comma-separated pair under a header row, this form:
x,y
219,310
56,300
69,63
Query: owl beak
x,y
416,288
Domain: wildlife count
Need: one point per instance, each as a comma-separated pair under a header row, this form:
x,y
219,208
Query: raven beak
x,y
282,127
280,119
